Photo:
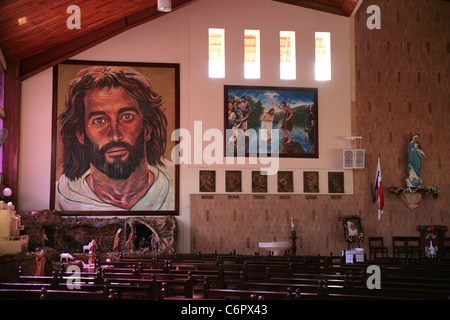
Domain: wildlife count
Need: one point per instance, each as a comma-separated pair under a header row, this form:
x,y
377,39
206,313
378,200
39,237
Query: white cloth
x,y
266,129
76,195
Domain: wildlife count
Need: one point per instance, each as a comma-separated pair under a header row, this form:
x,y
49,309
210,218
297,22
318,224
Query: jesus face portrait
x,y
112,142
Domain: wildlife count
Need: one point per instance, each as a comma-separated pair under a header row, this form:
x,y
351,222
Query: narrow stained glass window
x,y
251,54
216,53
323,56
287,55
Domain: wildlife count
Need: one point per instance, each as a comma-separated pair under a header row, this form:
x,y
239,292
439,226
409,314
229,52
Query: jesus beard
x,y
118,169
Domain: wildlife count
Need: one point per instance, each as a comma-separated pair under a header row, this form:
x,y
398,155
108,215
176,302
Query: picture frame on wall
x,y
285,181
111,146
207,181
259,181
233,181
263,120
336,182
311,181
353,230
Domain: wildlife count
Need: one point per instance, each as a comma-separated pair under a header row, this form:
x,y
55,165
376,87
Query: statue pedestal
x,y
412,196
411,200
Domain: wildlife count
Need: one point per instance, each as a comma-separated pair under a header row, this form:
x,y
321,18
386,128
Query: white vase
x,y
431,249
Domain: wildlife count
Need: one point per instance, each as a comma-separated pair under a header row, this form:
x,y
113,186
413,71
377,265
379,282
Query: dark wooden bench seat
x,y
215,274
280,287
182,287
345,296
428,280
410,293
50,294
234,294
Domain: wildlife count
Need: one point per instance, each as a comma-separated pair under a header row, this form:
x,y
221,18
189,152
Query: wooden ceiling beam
x,y
342,8
350,6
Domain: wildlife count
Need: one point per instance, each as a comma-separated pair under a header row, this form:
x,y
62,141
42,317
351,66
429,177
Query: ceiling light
x,y
22,21
164,5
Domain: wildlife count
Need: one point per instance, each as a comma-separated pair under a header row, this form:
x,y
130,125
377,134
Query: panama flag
x,y
379,190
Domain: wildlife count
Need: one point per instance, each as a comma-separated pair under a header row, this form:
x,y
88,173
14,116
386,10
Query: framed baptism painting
x,y
111,146
271,120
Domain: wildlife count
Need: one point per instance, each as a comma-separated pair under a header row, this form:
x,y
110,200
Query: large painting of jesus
x,y
111,138
270,120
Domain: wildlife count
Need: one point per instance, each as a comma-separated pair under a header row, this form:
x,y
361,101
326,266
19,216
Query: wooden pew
x,y
25,285
445,282
126,285
298,275
308,284
139,272
249,294
234,294
280,287
57,276
407,293
331,292
142,289
50,294
226,274
346,296
182,287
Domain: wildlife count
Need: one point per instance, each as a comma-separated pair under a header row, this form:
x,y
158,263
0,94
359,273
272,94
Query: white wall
x,y
182,37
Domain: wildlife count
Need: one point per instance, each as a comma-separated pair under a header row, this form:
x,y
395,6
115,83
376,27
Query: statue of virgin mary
x,y
415,154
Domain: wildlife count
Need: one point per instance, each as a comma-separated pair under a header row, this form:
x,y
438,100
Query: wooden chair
x,y
399,246
413,247
446,251
376,245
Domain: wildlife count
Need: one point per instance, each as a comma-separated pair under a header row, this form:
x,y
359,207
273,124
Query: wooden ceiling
x,y
44,39
45,25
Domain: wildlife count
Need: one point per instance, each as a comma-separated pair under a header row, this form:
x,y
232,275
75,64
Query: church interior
x,y
140,158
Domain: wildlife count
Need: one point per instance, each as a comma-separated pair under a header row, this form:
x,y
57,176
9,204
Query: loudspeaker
x,y
353,158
